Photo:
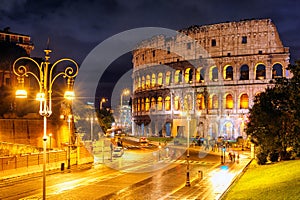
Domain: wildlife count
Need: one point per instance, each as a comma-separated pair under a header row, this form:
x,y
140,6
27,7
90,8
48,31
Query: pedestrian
x,y
230,156
233,156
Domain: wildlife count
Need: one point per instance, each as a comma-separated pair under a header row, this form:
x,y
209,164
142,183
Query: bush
x,y
261,156
273,156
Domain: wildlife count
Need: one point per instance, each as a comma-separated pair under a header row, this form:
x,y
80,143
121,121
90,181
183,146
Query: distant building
x,y
19,39
206,76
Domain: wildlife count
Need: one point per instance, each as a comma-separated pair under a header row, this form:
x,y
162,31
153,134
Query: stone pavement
x,y
213,185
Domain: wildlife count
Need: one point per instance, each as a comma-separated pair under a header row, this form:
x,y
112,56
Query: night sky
x,y
75,27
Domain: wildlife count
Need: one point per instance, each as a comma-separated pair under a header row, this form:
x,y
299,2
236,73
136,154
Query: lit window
x,y
176,103
188,75
229,102
142,105
159,103
168,103
153,82
244,101
160,79
200,102
148,81
147,104
168,77
153,103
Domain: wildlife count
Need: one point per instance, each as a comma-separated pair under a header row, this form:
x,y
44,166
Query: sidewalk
x,y
214,184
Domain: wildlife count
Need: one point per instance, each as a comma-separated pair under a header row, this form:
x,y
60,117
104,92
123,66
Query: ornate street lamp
x,y
45,78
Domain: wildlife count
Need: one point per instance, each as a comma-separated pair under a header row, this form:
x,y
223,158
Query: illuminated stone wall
x,y
211,73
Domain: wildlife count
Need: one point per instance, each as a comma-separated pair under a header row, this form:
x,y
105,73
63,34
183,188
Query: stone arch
x,y
228,73
244,72
167,103
153,80
213,73
277,71
260,71
228,101
244,101
228,129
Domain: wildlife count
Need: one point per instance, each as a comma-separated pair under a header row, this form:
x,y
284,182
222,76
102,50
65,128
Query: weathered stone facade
x,y
207,76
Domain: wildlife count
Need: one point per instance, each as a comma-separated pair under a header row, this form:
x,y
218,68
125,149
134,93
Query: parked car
x,y
118,152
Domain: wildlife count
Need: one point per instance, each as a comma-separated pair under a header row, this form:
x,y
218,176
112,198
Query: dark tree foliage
x,y
274,120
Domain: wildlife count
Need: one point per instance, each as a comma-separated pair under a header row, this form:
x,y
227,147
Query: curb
x,y
235,180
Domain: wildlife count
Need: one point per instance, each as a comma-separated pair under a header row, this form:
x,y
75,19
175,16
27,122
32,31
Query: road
x,y
138,174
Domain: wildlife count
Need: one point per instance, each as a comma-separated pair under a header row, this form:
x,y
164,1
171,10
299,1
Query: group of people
x,y
233,156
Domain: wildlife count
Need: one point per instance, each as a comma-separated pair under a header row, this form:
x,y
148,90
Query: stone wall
x,y
30,132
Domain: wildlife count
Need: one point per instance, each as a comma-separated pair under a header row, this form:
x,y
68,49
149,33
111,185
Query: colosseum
x,y
203,80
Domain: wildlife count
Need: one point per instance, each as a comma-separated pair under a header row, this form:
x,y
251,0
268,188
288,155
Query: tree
x,y
274,120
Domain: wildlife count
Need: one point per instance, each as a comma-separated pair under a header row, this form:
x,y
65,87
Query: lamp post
x,y
45,77
188,184
91,119
103,100
69,143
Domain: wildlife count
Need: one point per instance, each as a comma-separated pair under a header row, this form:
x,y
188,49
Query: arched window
x,y
260,71
153,80
213,73
200,102
229,101
139,82
167,103
143,82
202,75
139,105
277,71
168,78
178,76
188,105
198,75
153,103
160,79
147,104
148,81
213,102
244,101
159,103
188,75
177,103
228,73
244,72
142,105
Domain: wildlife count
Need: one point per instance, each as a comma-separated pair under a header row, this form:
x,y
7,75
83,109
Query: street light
x,y
91,119
188,118
103,100
69,146
45,78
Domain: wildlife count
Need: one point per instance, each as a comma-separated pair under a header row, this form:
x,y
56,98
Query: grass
x,y
274,181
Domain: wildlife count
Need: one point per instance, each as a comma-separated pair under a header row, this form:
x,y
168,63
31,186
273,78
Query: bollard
x,y
200,174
